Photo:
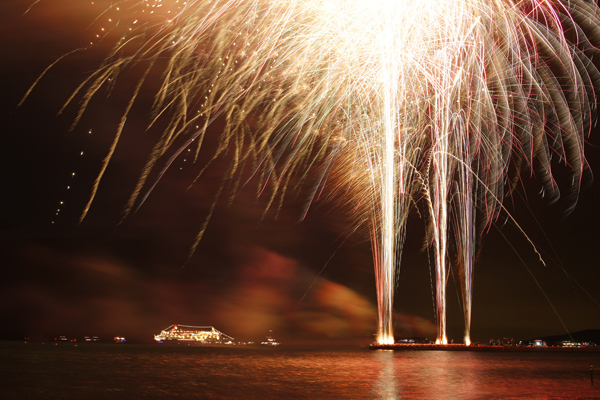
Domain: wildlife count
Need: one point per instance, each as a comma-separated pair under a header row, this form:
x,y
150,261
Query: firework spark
x,y
390,104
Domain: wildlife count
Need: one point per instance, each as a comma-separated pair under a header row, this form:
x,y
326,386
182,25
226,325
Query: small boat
x,y
270,340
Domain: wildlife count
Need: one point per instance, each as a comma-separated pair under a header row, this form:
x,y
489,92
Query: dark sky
x,y
305,280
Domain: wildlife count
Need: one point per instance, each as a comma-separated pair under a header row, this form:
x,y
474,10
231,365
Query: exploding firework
x,y
389,104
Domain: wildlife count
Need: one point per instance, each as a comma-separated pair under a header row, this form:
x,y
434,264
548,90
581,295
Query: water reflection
x,y
472,375
386,384
101,371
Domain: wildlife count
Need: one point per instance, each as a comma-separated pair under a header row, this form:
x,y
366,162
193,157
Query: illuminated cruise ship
x,y
193,334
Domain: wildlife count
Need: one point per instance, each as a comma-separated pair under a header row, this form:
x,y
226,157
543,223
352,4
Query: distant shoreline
x,y
462,347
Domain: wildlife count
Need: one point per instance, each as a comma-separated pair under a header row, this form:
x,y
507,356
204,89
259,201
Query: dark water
x,y
106,371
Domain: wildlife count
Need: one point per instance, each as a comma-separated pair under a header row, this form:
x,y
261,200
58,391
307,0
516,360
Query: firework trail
x,y
390,104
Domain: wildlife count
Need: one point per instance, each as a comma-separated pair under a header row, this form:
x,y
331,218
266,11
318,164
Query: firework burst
x,y
389,104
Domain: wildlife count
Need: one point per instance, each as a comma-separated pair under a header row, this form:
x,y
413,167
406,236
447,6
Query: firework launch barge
x,y
462,347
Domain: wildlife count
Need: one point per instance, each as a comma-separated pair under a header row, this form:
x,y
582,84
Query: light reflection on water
x,y
483,375
386,385
97,371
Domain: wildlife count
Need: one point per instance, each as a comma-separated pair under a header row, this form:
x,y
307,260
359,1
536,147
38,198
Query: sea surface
x,y
125,371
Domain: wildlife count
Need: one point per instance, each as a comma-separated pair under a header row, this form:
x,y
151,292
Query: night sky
x,y
252,272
